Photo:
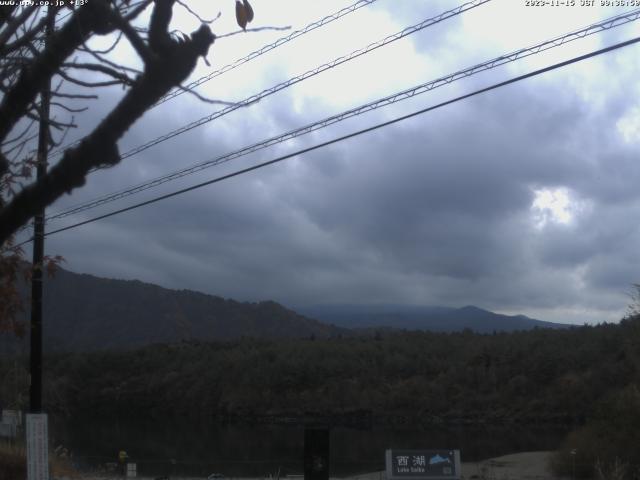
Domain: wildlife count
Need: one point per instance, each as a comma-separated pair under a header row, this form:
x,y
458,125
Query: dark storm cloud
x,y
434,211
406,205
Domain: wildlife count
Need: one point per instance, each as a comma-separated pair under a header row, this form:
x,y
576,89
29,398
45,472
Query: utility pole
x,y
35,385
37,436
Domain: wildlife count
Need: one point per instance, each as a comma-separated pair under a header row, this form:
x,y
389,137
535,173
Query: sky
x,y
521,200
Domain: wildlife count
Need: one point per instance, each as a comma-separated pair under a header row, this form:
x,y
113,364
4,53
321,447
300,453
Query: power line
x,y
351,135
261,51
311,73
35,330
403,95
281,41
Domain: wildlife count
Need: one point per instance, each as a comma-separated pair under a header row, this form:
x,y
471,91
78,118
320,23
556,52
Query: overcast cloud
x,y
522,200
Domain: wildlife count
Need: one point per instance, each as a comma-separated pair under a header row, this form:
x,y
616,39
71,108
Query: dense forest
x,y
537,376
583,376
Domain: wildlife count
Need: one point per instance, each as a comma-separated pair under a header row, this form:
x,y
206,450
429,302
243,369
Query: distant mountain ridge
x,y
431,318
84,312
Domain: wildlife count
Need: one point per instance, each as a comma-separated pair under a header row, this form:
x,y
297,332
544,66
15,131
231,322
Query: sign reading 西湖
x,y
422,464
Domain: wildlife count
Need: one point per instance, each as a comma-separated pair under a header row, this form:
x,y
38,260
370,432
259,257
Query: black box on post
x,y
316,453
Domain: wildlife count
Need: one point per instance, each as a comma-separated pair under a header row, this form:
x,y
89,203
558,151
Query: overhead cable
x,y
388,100
346,137
261,51
311,73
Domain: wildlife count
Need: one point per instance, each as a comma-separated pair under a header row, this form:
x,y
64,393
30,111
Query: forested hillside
x,y
84,312
537,376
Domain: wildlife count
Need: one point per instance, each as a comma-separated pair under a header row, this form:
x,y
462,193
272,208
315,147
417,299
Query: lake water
x,y
170,448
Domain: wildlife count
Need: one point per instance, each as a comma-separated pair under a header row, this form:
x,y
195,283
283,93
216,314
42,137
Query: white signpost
x,y
11,417
131,470
37,447
11,420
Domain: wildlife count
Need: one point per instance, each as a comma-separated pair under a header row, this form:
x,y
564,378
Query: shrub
x,y
13,462
608,445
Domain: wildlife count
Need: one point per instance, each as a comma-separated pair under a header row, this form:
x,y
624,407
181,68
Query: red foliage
x,y
12,267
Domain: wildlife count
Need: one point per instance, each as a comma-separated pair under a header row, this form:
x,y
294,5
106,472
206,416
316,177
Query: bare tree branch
x,y
20,135
57,143
205,99
109,49
5,13
74,96
114,65
159,38
13,26
91,18
95,67
26,38
172,62
257,29
141,7
58,125
83,83
18,149
133,37
202,20
68,108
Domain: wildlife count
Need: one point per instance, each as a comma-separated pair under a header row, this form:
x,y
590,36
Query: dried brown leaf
x,y
241,15
249,10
